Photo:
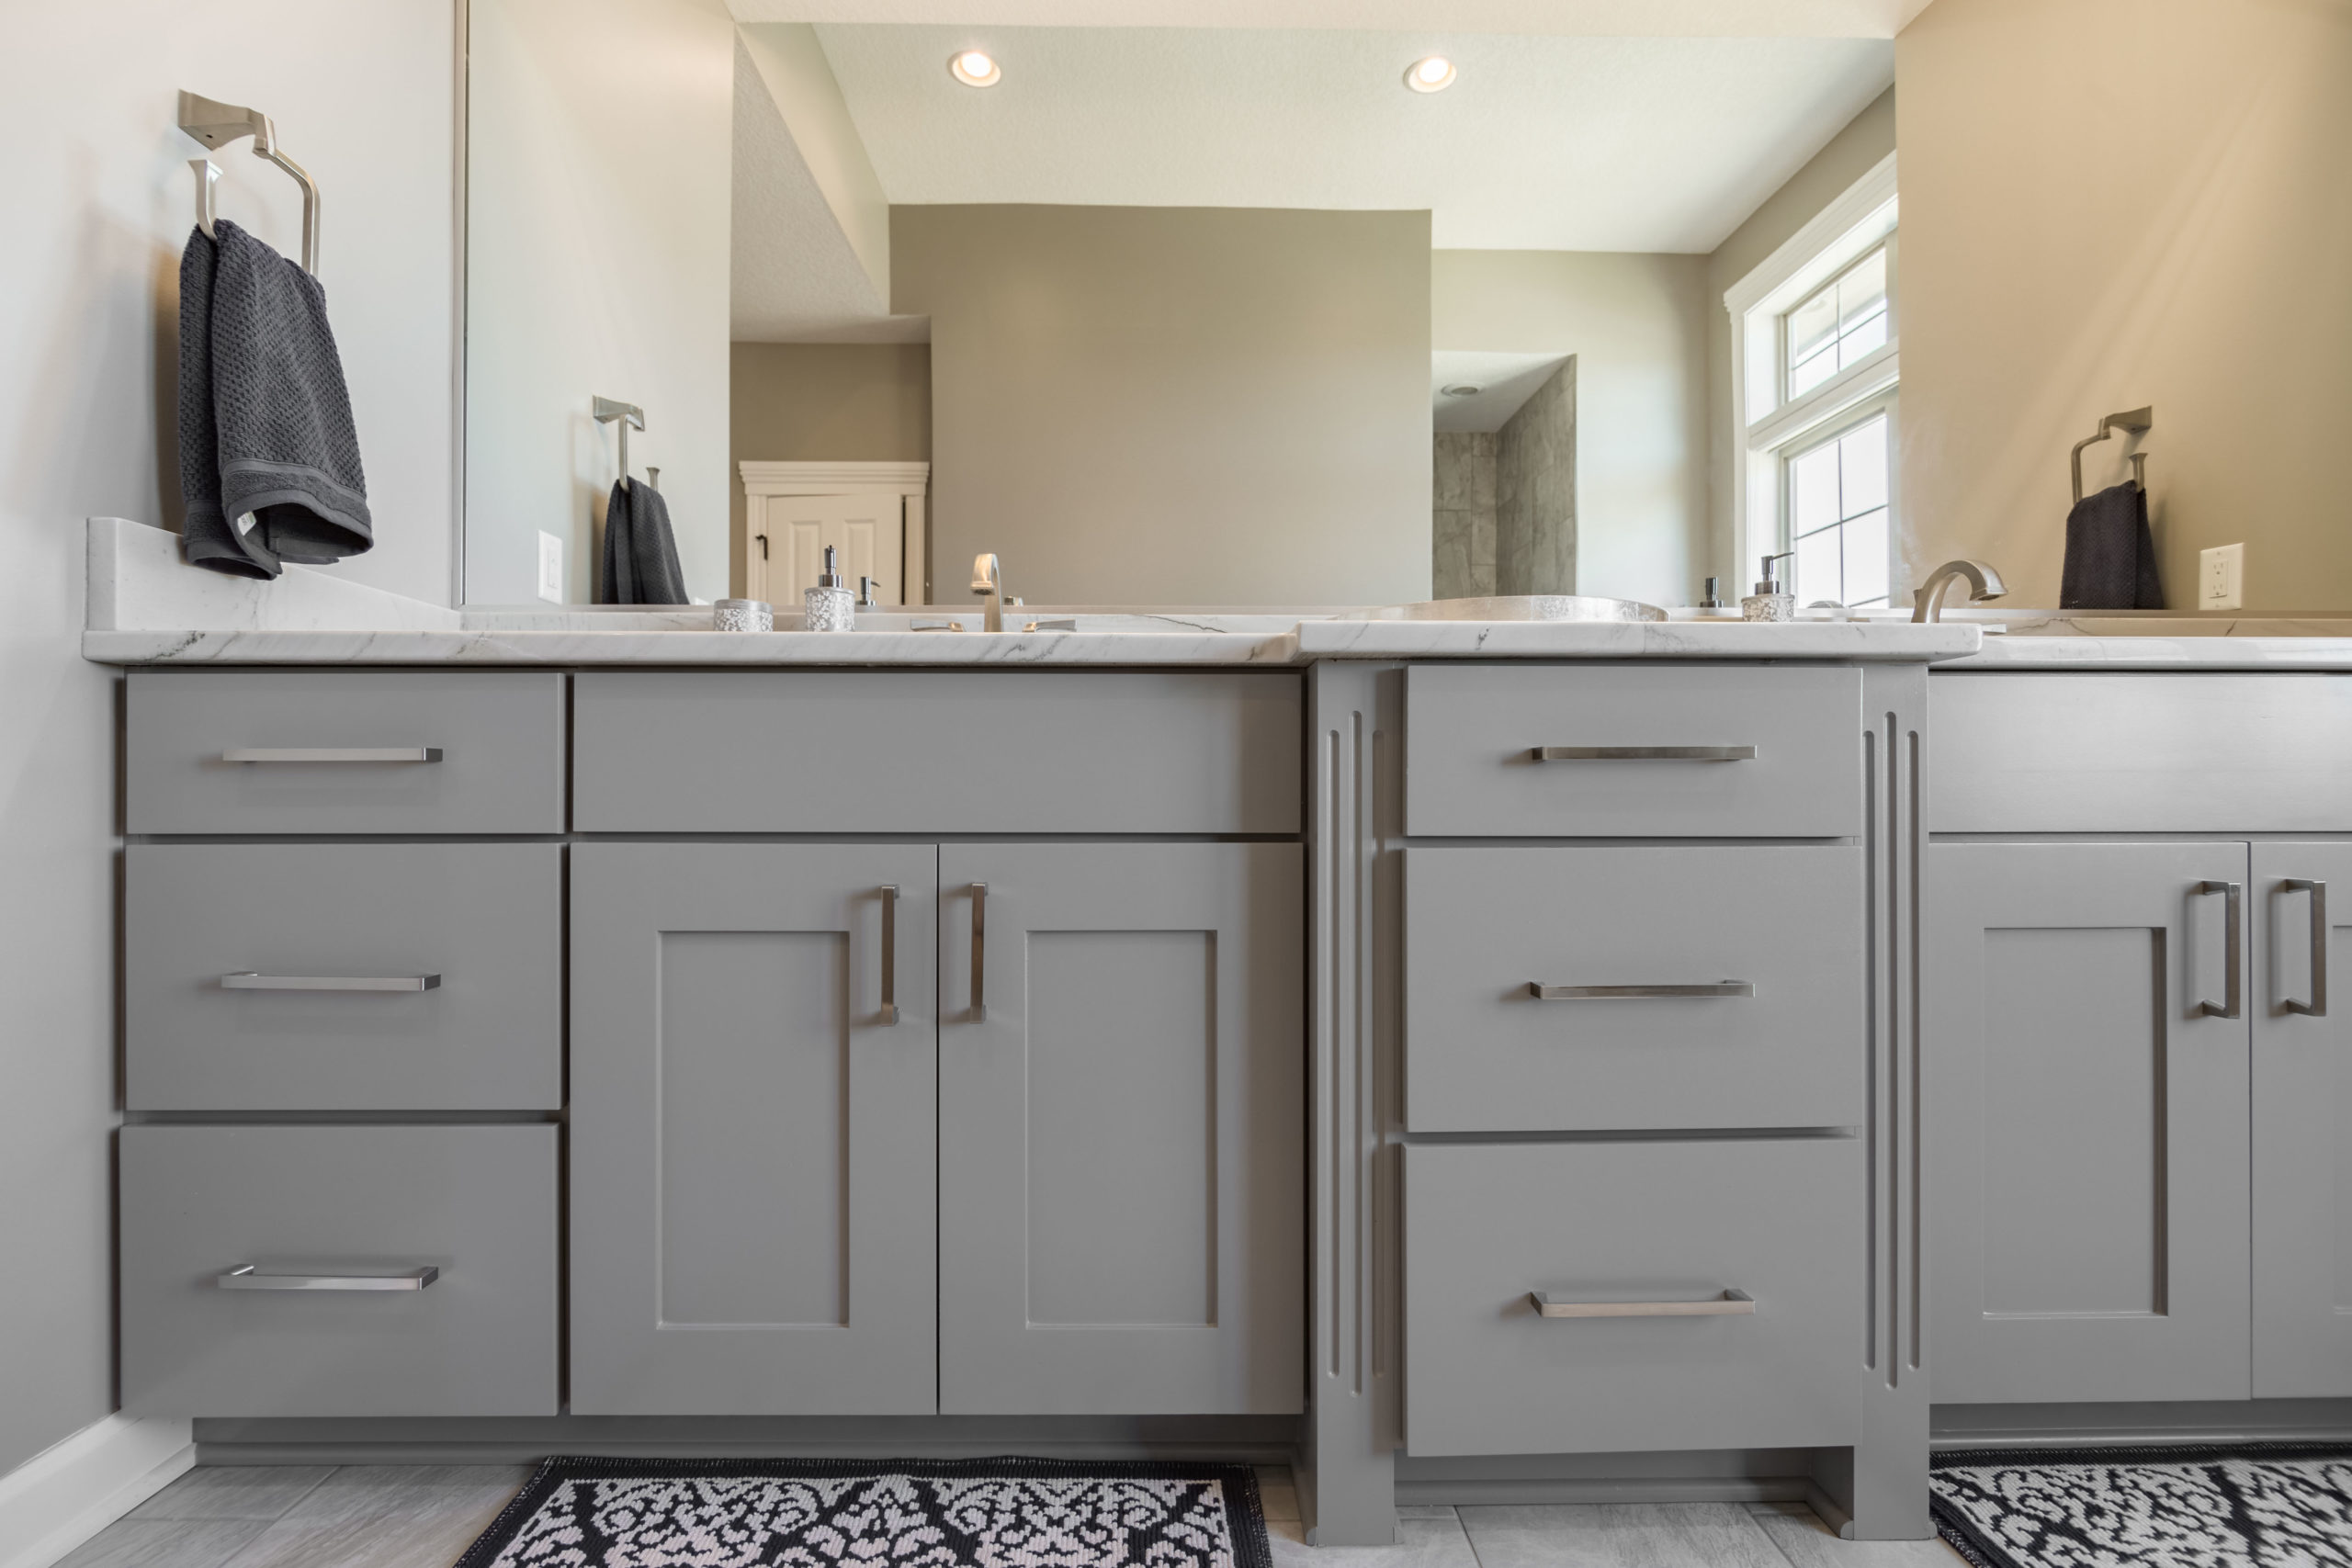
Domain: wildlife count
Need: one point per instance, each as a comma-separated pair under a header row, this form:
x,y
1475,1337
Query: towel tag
x,y
245,523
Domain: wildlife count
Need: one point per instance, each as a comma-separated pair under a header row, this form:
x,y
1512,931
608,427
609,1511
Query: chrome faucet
x,y
1984,582
987,579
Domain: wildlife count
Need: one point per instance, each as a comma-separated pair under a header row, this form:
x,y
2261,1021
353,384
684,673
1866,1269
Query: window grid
x,y
1836,506
1837,325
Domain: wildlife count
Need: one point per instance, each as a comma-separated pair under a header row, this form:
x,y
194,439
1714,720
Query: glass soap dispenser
x,y
831,606
1770,601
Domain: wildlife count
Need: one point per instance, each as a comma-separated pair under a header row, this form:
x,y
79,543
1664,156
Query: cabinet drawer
x,y
465,751
339,1204
1473,733
964,752
1661,1224
267,976
1485,926
2110,752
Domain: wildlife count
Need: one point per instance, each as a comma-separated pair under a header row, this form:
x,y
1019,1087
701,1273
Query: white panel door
x,y
789,534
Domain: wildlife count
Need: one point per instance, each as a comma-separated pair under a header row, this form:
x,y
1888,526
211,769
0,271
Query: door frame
x,y
910,482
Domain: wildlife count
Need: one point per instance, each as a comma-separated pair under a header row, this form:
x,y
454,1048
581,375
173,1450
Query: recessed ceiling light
x,y
975,68
1434,74
1461,389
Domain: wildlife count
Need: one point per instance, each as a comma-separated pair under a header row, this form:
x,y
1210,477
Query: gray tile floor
x,y
423,1515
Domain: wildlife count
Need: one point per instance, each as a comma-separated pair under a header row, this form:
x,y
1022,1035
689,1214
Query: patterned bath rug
x,y
997,1513
2250,1506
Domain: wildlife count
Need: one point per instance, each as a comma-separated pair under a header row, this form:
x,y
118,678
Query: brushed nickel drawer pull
x,y
1642,754
1731,1303
246,980
1544,993
2228,1005
979,950
2317,1005
889,953
332,754
244,1277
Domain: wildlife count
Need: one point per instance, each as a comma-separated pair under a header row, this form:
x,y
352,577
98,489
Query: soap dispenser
x,y
1770,601
831,605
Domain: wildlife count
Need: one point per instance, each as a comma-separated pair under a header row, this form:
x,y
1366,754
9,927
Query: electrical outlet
x,y
551,568
2221,578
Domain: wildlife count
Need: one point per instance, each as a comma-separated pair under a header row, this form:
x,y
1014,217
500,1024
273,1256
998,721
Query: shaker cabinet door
x,y
1121,1080
2087,1087
2300,899
754,1075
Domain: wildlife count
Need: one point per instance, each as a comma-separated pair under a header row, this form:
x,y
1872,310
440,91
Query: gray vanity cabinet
x,y
753,1100
2302,1120
1121,1083
2088,1098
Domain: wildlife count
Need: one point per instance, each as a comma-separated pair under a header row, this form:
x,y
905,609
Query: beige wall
x,y
1176,405
799,403
1637,326
1867,138
2114,202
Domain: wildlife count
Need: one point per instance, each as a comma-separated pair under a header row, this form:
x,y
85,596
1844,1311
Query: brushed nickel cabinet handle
x,y
2317,1005
244,1277
332,754
2228,1005
1641,754
1731,1303
889,953
1544,993
979,949
246,980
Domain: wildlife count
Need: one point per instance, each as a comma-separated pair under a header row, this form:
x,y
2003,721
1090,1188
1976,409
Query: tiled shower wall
x,y
1463,522
1504,514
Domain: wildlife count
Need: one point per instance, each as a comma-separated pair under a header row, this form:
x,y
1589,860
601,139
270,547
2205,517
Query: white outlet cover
x,y
2221,578
551,568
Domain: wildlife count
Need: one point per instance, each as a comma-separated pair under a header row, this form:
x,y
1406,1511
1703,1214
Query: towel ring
x,y
216,125
630,415
2138,421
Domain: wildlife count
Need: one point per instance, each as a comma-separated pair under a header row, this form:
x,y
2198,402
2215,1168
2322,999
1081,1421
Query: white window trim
x,y
1846,229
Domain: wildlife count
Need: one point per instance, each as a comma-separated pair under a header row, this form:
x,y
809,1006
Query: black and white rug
x,y
1001,1513
2260,1506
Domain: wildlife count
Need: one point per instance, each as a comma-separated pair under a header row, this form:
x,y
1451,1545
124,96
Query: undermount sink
x,y
1516,607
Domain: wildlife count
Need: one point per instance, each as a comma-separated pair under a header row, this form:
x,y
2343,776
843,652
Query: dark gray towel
x,y
2110,554
640,553
258,365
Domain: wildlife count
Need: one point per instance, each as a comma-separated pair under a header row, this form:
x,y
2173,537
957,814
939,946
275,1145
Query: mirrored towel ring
x,y
630,417
216,125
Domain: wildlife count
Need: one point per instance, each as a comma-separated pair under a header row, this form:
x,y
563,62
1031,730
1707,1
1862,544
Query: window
x,y
1815,388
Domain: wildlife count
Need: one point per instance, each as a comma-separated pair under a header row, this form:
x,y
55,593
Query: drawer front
x,y
1472,733
1660,1225
269,976
2063,753
1485,926
339,1204
494,740
964,752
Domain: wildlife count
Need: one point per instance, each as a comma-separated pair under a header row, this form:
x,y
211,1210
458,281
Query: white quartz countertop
x,y
146,606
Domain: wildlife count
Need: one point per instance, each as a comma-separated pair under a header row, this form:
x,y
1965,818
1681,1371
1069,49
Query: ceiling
x,y
1594,18
1504,382
1544,142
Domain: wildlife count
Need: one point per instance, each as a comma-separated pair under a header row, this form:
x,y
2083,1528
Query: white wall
x,y
1636,323
99,201
600,136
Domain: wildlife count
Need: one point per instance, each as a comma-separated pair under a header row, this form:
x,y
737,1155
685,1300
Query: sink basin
x,y
1516,607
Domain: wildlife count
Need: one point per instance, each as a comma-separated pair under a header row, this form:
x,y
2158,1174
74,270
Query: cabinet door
x,y
2303,1121
1120,1130
752,1177
2088,1152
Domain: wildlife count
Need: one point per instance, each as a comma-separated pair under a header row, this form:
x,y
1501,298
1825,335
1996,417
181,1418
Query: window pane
x,y
1862,290
1812,490
1817,568
1866,335
1861,463
1805,378
1813,324
1866,557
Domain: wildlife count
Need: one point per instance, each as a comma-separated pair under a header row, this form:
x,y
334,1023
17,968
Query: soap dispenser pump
x,y
1771,601
831,605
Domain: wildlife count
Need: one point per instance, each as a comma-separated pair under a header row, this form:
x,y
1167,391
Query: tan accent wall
x,y
2114,202
804,402
1636,323
1176,405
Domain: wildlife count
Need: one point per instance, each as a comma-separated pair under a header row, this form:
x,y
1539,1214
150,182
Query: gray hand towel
x,y
2110,554
284,451
640,553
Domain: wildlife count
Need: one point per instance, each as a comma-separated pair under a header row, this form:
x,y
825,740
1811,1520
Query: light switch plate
x,y
2221,578
551,568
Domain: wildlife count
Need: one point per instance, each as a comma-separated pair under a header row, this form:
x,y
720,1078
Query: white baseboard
x,y
60,1497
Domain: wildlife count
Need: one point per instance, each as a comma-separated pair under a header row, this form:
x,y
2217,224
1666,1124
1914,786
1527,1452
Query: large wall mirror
x,y
1229,317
